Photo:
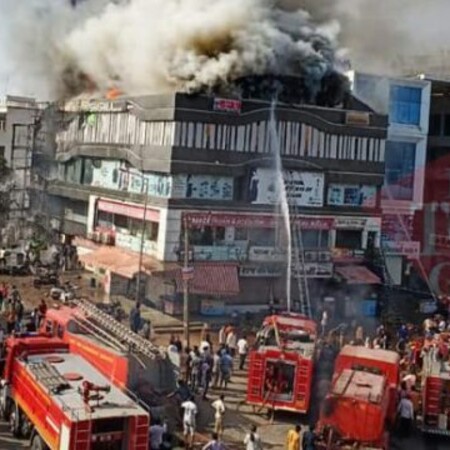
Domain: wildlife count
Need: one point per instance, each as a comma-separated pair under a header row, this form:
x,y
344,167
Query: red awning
x,y
209,279
357,275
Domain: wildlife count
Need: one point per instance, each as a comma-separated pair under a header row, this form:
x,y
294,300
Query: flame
x,y
113,93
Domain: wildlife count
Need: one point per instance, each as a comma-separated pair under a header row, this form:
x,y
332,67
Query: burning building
x,y
139,174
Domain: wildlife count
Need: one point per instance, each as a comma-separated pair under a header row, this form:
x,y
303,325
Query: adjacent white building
x,y
406,101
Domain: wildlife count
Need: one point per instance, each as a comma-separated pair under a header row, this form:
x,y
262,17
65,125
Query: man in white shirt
x,y
231,342
405,413
219,408
189,420
242,346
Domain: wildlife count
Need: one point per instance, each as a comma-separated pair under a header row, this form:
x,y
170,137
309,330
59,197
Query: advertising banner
x,y
352,195
302,188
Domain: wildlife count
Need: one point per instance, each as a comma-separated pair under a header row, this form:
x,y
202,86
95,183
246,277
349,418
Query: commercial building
x,y
407,103
204,167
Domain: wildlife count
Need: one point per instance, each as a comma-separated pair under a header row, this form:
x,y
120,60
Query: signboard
x,y
302,188
227,105
254,221
206,187
128,210
409,248
219,253
312,270
352,195
350,223
187,273
267,254
212,307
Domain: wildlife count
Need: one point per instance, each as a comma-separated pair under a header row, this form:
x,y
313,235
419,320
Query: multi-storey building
x,y
206,165
407,104
17,119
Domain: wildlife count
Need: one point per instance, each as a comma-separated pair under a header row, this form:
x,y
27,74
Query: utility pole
x,y
141,250
186,273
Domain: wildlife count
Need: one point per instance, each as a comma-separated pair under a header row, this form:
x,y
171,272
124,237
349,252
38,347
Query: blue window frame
x,y
405,105
400,163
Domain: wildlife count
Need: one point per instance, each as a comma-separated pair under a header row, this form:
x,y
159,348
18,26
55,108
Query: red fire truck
x,y
126,359
361,401
281,363
59,401
436,386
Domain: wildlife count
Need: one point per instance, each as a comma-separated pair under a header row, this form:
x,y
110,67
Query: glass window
x,y
447,125
262,237
400,161
435,125
349,239
405,105
310,239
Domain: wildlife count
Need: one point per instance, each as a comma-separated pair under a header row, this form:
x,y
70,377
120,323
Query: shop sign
x,y
267,254
227,105
128,210
187,273
216,253
312,270
254,221
302,188
212,307
315,270
260,271
410,248
350,222
364,196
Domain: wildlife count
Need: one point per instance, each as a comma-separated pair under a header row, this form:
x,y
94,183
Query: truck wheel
x,y
14,421
37,443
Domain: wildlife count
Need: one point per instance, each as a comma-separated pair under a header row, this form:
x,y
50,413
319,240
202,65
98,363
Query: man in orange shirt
x,y
293,440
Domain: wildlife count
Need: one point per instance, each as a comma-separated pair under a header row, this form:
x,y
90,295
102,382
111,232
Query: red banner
x,y
197,220
125,209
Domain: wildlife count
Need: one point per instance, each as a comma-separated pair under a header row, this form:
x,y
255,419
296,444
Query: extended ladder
x,y
116,332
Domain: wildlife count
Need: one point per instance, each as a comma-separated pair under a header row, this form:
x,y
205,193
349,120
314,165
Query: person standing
x,y
293,439
226,365
189,421
156,435
222,336
19,309
219,408
135,318
215,369
309,439
405,415
252,440
232,342
214,443
242,347
10,316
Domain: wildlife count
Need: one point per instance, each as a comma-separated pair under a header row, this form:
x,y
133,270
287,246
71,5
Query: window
x,y
315,239
399,172
447,125
405,104
348,239
435,125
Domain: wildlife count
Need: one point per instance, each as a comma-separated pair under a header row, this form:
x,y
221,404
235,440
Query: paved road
x,y
7,442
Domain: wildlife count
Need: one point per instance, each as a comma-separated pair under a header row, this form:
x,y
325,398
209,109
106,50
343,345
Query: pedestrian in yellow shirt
x,y
293,440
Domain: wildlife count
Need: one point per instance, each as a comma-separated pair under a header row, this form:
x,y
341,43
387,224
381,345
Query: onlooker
x,y
214,443
242,346
205,374
189,420
215,371
222,336
232,342
156,435
135,318
309,439
10,316
226,365
196,362
219,408
252,440
406,416
19,310
293,439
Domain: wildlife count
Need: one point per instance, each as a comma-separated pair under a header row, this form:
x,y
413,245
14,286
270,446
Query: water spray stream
x,y
282,197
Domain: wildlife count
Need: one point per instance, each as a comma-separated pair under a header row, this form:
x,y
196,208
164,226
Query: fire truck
x,y
129,361
281,363
362,400
59,401
436,386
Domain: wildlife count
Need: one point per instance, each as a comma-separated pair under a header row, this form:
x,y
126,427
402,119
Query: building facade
x,y
407,104
17,124
203,168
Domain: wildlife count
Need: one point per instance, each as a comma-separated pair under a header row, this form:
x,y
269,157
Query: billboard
x,y
352,195
302,188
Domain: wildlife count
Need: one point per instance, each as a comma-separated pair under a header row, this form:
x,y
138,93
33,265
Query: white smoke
x,y
149,46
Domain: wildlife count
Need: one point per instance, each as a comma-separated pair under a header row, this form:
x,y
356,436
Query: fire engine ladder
x,y
116,331
298,257
83,432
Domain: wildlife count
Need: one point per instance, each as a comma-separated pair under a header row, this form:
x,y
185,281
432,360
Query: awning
x,y
209,279
357,275
119,261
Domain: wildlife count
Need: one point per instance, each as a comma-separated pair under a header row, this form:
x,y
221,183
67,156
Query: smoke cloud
x,y
154,46
388,36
